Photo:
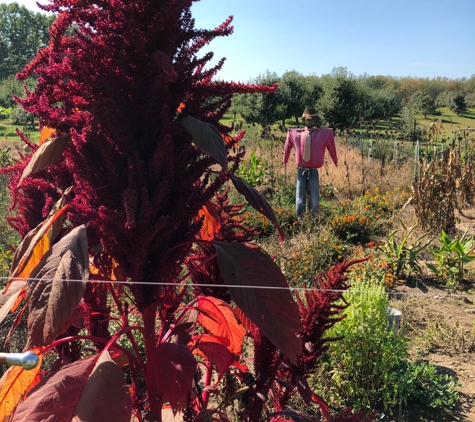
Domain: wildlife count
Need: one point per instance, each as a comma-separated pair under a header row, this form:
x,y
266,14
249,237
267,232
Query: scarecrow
x,y
309,144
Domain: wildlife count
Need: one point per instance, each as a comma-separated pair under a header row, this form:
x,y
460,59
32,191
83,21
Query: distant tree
x,y
339,104
455,101
264,109
423,103
470,100
22,34
10,86
292,92
407,87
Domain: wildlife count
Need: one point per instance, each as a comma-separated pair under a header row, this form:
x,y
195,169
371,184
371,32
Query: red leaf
x,y
57,289
207,138
271,308
211,224
257,201
304,389
295,415
242,317
47,154
218,318
174,367
91,390
323,405
214,352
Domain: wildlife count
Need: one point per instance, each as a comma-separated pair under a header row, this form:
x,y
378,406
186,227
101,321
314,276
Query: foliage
x,y
10,86
253,171
259,108
123,206
451,258
363,361
354,222
420,383
422,103
22,34
311,256
454,100
338,105
286,218
403,255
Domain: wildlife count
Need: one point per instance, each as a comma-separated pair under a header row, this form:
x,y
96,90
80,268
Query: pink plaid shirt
x,y
321,139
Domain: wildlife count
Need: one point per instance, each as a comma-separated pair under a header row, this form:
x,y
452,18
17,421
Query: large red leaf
x,y
47,154
207,138
55,287
88,390
272,307
218,318
174,368
214,352
256,201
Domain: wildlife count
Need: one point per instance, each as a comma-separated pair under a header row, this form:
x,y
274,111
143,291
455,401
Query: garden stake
x,y
27,360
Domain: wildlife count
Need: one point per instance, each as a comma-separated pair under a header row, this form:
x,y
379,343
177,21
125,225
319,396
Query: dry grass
x,y
353,176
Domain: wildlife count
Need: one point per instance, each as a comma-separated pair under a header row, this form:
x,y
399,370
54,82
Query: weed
x,y
403,256
451,257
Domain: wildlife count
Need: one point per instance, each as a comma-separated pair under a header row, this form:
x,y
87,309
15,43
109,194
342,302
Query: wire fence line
x,y
233,286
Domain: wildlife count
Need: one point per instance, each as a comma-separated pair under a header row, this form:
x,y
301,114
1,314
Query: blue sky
x,y
419,38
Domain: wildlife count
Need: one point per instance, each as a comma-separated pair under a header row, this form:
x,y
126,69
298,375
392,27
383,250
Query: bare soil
x,y
441,330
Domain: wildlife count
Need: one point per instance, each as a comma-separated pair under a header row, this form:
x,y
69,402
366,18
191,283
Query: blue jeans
x,y
307,179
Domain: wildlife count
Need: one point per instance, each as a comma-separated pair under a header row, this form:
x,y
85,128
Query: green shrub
x,y
253,170
312,254
368,364
363,363
420,383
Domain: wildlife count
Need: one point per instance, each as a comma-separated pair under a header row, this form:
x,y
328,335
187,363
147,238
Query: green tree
x,y
10,86
454,100
260,108
22,34
423,103
339,104
293,94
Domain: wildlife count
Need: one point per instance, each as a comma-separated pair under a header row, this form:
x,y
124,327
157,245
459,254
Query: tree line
x,y
340,97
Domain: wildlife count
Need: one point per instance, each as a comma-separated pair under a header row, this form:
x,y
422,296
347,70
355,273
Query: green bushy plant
x,y
311,255
421,383
451,258
253,170
362,363
403,255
